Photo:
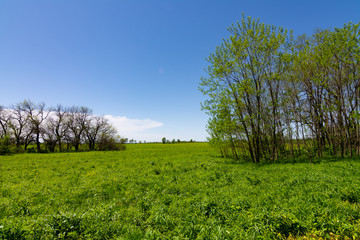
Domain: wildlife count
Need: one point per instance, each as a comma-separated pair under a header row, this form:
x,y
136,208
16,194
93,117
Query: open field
x,y
175,191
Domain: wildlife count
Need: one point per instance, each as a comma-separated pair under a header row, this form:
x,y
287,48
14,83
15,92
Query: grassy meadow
x,y
175,191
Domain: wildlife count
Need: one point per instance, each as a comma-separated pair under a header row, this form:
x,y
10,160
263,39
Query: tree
x,y
267,92
19,124
77,119
246,78
36,115
163,140
49,136
27,122
95,127
58,124
4,122
327,70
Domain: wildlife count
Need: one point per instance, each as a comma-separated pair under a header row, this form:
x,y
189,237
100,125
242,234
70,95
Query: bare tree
x,y
57,124
26,122
4,121
77,118
49,136
18,122
36,115
95,127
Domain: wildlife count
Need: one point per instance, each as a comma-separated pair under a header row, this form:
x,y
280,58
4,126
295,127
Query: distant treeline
x,y
163,140
26,126
271,96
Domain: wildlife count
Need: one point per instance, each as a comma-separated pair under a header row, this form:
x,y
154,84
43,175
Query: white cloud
x,y
127,126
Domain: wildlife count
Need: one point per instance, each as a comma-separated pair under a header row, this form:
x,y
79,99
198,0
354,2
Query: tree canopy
x,y
271,96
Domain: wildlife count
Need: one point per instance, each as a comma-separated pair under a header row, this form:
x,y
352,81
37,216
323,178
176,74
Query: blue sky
x,y
138,62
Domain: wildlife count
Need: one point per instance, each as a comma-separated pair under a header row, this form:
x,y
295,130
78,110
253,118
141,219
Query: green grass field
x,y
175,191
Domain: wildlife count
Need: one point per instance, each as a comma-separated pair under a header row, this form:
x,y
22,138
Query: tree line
x,y
53,129
272,96
164,140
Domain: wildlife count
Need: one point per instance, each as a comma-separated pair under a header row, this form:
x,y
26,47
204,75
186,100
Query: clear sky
x,y
139,62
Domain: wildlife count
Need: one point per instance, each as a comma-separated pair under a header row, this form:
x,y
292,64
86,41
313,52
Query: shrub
x,y
110,143
4,145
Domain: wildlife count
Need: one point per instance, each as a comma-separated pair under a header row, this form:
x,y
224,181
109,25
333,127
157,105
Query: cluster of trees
x,y
272,96
55,129
164,140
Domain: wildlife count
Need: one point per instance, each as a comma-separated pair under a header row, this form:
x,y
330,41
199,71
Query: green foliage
x,y
109,143
66,227
244,79
4,145
267,93
175,191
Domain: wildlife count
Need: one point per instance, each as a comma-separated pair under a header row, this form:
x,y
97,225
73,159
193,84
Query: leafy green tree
x,y
326,68
267,93
245,77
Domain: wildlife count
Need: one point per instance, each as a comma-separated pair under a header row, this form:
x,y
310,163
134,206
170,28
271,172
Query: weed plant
x,y
175,191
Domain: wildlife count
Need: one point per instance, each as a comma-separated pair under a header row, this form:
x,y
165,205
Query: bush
x,y
109,143
4,145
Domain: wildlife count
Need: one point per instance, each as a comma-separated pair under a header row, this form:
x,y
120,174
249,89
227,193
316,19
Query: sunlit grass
x,y
179,191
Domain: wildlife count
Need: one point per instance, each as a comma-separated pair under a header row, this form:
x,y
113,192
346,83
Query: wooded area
x,y
272,96
54,129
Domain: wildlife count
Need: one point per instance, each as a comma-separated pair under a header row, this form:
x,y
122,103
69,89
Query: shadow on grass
x,y
300,159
